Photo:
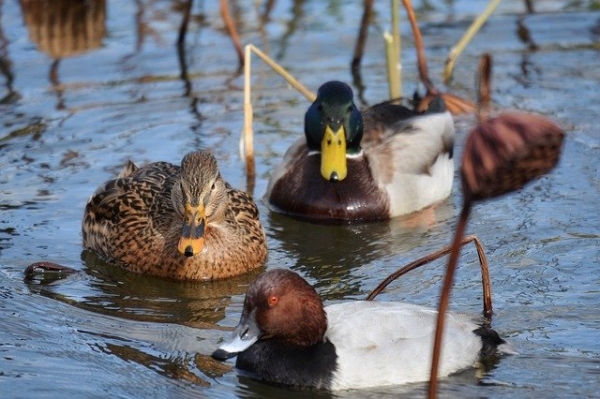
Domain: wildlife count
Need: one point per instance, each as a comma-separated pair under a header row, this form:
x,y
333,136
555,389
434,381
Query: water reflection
x,y
180,367
6,66
332,255
129,331
250,389
65,28
112,291
62,29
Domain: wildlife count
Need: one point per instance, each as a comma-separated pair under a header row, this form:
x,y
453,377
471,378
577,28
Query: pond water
x,y
71,119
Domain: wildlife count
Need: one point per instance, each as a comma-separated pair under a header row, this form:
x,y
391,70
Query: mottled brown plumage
x,y
140,221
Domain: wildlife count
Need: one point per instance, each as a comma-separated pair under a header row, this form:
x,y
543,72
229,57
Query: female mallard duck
x,y
385,162
177,222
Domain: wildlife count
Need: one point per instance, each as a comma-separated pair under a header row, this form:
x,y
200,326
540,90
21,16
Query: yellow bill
x,y
333,155
192,236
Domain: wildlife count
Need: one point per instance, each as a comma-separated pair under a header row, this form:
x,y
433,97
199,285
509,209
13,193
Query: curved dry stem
x,y
445,297
483,262
232,31
484,86
423,70
457,105
454,104
361,39
486,283
467,37
247,137
310,96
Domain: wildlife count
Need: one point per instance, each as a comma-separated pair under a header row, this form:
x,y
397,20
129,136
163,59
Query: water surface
x,y
71,119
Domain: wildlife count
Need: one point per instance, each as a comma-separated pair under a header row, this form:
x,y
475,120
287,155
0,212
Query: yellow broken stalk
x,y
247,139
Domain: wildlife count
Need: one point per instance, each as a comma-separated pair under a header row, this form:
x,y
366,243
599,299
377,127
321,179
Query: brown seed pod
x,y
503,153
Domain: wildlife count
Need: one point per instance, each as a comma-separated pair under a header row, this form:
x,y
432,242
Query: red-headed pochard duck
x,y
286,336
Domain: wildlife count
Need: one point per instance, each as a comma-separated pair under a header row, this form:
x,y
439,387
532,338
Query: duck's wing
x,y
386,114
385,321
242,207
392,342
139,194
412,159
408,142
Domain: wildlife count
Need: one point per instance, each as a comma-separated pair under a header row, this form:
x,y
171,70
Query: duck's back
x,y
132,214
412,159
387,343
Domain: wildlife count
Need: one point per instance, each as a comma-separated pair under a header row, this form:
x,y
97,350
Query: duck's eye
x,y
350,108
213,185
273,300
243,335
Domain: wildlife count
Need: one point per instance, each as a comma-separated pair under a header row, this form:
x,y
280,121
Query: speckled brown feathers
x,y
136,221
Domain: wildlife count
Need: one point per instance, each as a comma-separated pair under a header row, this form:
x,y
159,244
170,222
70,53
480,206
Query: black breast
x,y
276,363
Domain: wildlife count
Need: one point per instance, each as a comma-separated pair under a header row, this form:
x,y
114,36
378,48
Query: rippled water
x,y
68,124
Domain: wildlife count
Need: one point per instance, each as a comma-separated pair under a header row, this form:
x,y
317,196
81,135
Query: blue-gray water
x,y
108,333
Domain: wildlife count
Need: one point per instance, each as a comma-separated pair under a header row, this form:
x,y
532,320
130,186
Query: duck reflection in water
x,y
63,29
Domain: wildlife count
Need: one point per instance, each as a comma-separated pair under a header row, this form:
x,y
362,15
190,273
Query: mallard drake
x,y
351,166
176,222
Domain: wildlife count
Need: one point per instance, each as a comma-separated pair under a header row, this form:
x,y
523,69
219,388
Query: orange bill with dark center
x,y
192,236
